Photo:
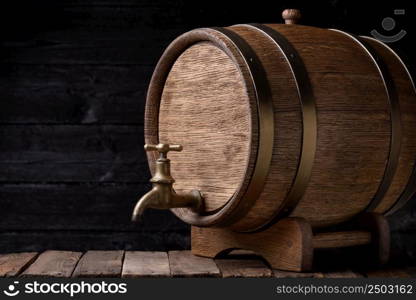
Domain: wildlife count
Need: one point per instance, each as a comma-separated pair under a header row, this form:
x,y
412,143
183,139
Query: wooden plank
x,y
184,264
342,274
109,3
411,271
94,142
282,245
66,153
142,49
241,267
388,272
145,264
53,264
112,16
100,264
67,171
289,274
79,240
341,239
12,264
72,94
80,207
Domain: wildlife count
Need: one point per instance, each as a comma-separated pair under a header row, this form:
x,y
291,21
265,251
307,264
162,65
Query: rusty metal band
x,y
309,123
410,188
265,123
395,118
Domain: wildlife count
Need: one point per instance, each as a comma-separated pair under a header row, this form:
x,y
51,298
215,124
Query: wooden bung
x,y
291,16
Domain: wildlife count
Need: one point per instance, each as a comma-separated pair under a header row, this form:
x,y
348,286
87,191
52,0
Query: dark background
x,y
73,78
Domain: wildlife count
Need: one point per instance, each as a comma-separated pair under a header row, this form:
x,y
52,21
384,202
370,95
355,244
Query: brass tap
x,y
162,195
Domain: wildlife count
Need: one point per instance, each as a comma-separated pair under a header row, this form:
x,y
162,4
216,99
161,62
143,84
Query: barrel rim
x,y
259,154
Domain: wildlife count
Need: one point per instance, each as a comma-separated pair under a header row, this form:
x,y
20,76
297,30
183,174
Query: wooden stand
x,y
290,243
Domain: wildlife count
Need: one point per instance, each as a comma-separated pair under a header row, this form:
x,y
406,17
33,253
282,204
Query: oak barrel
x,y
284,120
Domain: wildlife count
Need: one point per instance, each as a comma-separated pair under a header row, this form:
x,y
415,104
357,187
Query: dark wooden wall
x,y
73,77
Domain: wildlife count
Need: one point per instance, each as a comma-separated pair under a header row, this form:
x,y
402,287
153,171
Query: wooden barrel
x,y
284,120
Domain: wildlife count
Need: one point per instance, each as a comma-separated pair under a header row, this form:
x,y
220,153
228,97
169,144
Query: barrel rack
x,y
290,243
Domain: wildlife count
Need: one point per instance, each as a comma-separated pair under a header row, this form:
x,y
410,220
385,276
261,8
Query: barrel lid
x,y
205,107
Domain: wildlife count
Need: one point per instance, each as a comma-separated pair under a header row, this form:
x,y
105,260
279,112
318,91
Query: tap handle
x,y
162,148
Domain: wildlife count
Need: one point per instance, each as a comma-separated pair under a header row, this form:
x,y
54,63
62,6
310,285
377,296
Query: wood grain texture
x,y
353,115
78,63
353,125
154,96
84,57
388,273
289,274
287,245
145,264
184,264
12,264
204,107
78,48
341,239
239,263
411,271
83,207
100,264
342,274
79,240
235,268
40,153
290,243
53,264
73,94
406,97
380,235
287,129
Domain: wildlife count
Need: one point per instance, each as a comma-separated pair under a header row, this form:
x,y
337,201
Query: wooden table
x,y
161,264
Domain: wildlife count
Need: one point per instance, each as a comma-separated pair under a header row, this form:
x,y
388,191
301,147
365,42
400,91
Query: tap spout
x,y
143,203
163,195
